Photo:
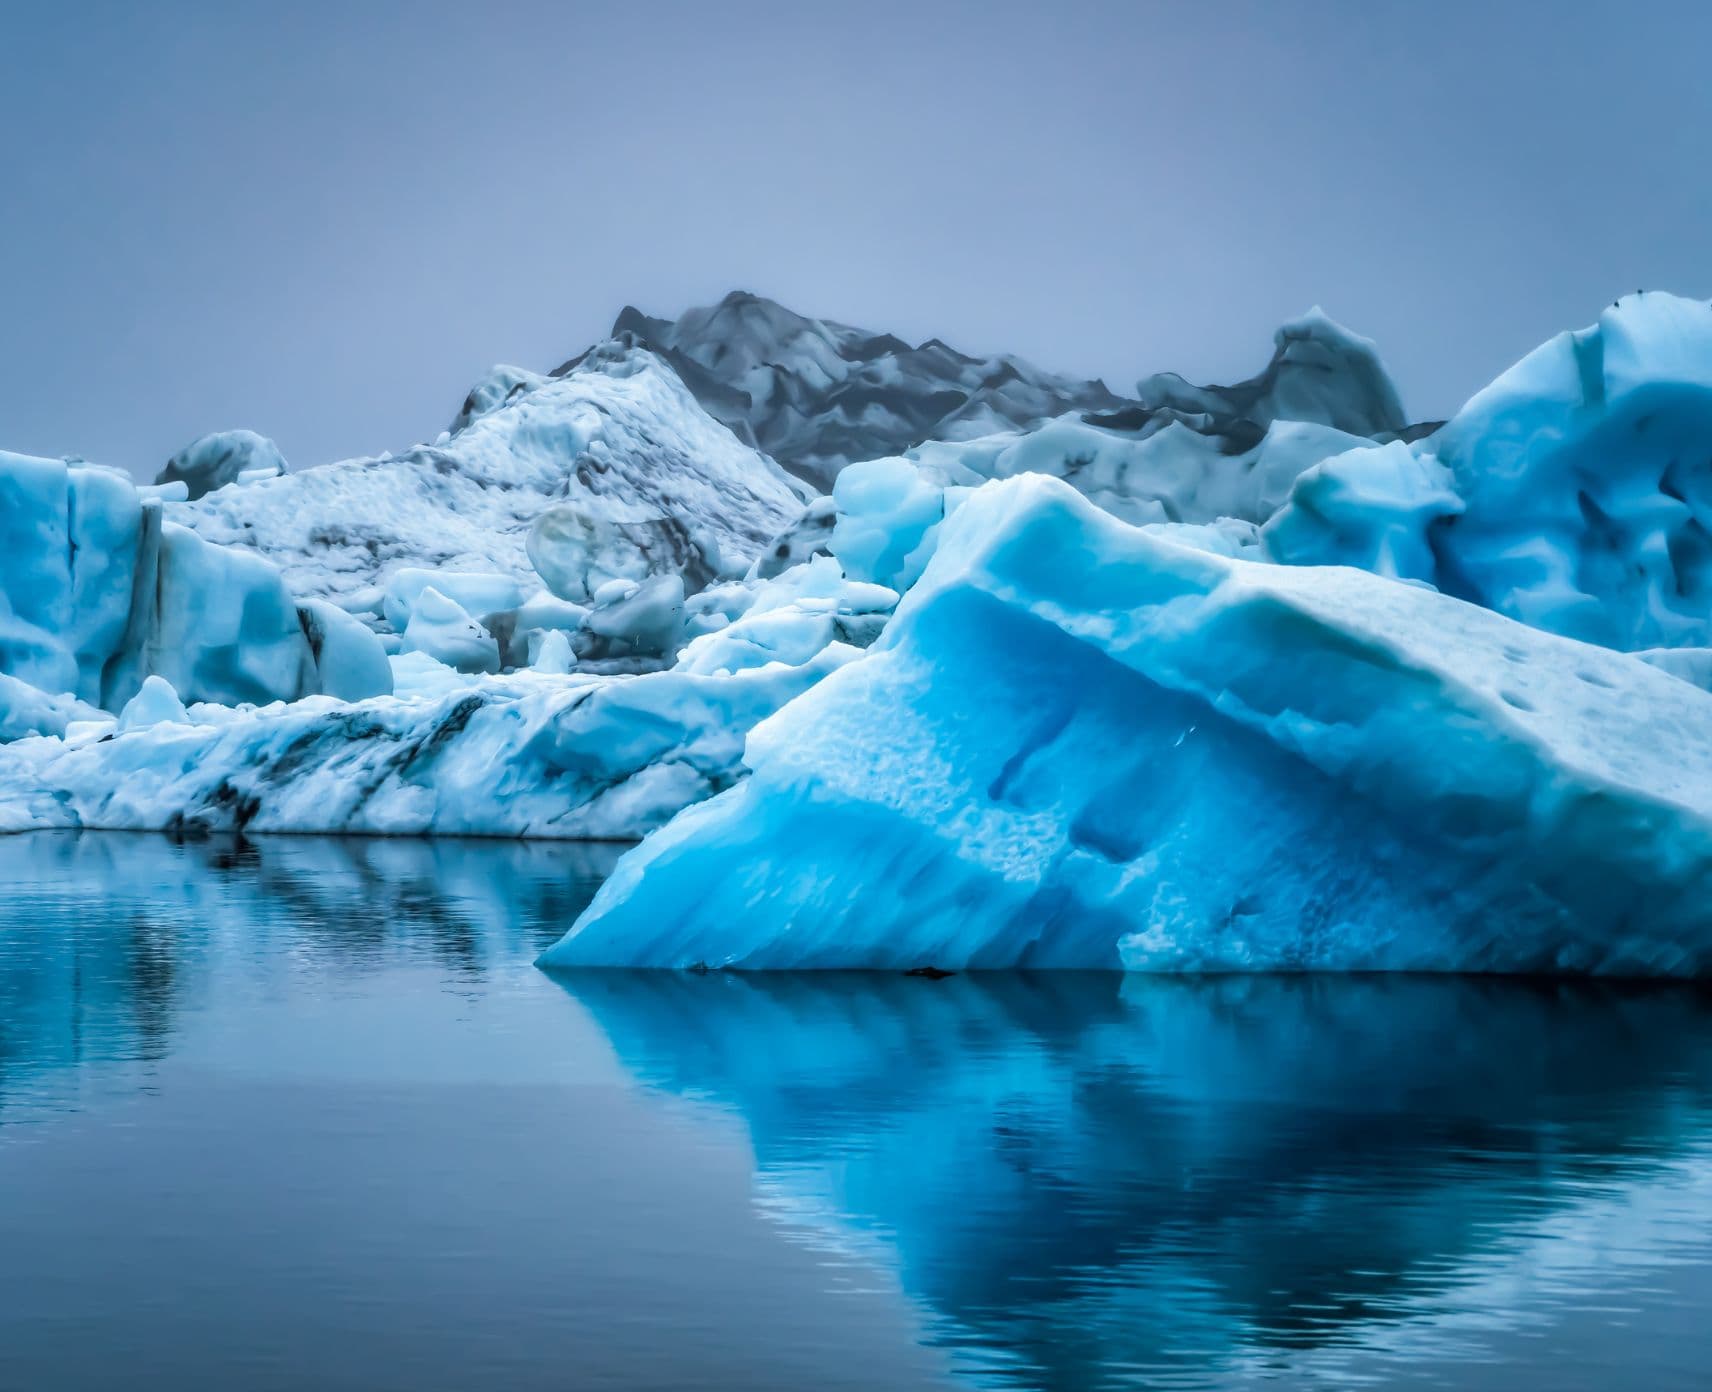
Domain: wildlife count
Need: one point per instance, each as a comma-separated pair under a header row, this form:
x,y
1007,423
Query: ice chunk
x,y
1587,474
1573,494
96,593
1320,372
577,550
444,631
229,456
887,513
803,540
350,662
68,539
155,703
555,656
631,620
475,592
224,629
792,618
25,711
1081,745
1375,508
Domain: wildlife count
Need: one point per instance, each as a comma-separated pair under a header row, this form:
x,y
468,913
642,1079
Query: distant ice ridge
x,y
1083,744
818,395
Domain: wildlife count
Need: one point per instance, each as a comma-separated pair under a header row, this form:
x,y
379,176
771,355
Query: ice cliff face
x,y
98,592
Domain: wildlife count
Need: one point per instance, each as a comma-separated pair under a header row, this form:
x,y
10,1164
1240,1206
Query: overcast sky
x,y
323,222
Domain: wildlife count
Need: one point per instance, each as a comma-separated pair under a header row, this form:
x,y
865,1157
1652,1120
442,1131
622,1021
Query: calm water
x,y
302,1115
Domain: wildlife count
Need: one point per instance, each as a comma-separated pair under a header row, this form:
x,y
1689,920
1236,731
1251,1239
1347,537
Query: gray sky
x,y
323,222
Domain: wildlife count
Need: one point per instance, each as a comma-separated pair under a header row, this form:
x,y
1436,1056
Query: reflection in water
x,y
106,938
1091,1180
1079,1181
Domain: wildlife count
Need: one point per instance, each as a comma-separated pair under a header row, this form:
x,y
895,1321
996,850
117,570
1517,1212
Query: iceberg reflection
x,y
1100,1180
108,938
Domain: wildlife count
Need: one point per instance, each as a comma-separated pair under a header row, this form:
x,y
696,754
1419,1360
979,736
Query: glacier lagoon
x,y
299,1111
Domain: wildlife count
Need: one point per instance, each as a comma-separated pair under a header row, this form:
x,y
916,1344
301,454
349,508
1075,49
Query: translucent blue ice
x,y
1081,744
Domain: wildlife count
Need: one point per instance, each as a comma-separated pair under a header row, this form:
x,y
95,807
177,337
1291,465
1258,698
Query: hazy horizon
x,y
325,225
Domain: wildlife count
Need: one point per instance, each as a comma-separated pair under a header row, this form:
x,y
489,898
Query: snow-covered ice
x,y
529,754
619,437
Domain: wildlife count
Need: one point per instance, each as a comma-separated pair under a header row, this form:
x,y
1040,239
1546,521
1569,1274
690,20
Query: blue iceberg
x,y
1573,494
1082,744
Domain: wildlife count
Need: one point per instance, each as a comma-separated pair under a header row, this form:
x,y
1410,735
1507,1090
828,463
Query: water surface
x,y
301,1113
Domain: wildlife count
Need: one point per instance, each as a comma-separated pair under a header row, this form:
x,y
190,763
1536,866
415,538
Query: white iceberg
x,y
619,437
530,754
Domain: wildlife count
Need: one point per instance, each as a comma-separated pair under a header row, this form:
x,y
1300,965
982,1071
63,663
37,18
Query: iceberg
x,y
618,439
539,754
1573,494
1082,744
440,627
99,592
226,457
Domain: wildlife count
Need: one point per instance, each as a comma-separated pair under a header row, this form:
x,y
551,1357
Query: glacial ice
x,y
349,660
97,592
887,511
525,754
443,629
1320,372
27,711
474,592
155,703
1221,736
619,437
1573,494
1374,507
819,395
226,457
576,550
1082,744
